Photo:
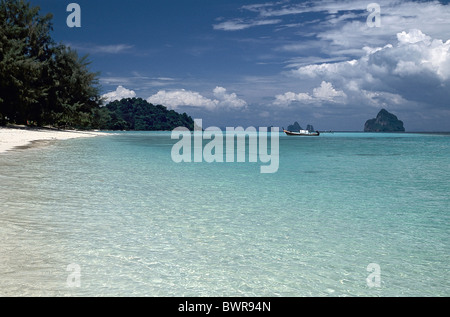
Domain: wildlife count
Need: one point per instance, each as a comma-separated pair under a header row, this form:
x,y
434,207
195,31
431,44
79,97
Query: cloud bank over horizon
x,y
414,70
178,98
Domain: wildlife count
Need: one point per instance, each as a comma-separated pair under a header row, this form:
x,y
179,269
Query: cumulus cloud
x,y
416,68
181,97
351,30
177,98
327,92
118,94
289,97
324,93
422,53
228,100
324,69
412,37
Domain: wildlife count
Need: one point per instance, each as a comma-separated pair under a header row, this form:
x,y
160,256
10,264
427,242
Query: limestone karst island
x,y
384,122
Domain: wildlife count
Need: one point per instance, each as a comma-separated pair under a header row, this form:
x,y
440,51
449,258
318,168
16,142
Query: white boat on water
x,y
302,133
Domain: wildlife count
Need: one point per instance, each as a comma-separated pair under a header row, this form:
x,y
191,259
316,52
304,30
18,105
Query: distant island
x,y
296,127
384,122
139,115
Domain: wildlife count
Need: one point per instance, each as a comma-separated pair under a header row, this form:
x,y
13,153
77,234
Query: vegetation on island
x,y
44,83
137,114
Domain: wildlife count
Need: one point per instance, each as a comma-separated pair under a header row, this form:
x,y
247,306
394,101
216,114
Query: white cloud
x,y
324,93
273,9
324,69
103,49
342,26
412,37
390,67
177,98
181,97
228,100
112,49
420,53
118,94
289,97
327,92
137,80
239,24
431,17
411,77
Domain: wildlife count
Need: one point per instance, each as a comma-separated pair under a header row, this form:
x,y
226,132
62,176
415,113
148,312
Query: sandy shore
x,y
11,139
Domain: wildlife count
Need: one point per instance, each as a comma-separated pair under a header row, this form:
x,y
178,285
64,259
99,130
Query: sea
x,y
345,214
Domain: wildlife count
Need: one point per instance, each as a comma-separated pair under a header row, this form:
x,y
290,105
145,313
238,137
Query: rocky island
x,y
296,127
384,122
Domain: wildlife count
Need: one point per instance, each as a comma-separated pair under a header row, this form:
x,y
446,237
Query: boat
x,y
302,133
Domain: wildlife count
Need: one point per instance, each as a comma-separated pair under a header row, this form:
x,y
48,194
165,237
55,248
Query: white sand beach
x,y
11,138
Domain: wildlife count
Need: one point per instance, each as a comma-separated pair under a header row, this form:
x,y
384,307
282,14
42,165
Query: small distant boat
x,y
302,133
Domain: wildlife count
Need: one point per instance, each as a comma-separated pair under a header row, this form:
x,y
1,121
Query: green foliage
x,y
40,81
73,96
45,83
137,114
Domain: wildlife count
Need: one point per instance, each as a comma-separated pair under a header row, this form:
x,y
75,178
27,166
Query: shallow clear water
x,y
137,224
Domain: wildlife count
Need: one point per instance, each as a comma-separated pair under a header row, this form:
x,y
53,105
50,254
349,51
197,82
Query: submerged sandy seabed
x,y
13,138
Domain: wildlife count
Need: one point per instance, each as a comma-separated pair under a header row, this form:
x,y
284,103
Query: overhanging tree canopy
x,y
41,81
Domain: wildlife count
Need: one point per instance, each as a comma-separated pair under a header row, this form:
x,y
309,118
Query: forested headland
x,y
44,83
138,114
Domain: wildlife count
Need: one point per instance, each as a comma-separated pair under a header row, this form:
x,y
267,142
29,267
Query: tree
x,y
41,81
25,46
73,95
138,114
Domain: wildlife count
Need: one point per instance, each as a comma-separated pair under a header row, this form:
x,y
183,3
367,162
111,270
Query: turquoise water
x,y
134,223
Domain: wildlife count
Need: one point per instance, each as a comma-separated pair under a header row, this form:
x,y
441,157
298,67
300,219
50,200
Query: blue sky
x,y
263,63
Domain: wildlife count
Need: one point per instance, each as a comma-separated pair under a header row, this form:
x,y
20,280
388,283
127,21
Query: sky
x,y
332,64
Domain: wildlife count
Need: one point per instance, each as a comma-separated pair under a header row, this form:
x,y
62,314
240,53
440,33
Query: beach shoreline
x,y
16,138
